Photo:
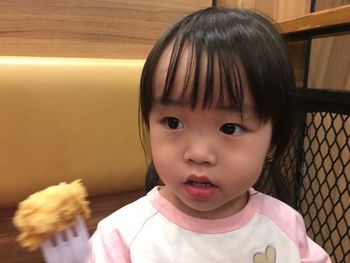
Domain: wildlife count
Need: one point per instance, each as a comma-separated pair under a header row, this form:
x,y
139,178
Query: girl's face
x,y
207,158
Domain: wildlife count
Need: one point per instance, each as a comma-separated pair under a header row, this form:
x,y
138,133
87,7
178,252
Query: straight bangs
x,y
209,77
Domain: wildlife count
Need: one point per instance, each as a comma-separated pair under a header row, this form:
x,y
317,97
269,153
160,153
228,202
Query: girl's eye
x,y
173,123
231,129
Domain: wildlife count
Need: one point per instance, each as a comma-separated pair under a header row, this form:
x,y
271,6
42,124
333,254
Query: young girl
x,y
217,103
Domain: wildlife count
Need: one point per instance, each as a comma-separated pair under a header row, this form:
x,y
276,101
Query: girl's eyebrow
x,y
246,114
169,102
182,103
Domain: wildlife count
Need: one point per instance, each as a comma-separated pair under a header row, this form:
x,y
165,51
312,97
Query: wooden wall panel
x,y
297,51
87,28
324,4
277,10
330,63
330,57
292,9
268,7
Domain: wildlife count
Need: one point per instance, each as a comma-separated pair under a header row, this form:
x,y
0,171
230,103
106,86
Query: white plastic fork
x,y
68,246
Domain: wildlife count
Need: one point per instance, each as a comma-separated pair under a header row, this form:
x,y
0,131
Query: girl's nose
x,y
199,152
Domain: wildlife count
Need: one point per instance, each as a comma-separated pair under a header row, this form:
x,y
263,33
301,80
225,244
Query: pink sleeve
x,y
314,253
107,246
292,224
310,252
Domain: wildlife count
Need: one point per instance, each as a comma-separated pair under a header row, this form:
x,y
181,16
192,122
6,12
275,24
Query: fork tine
x,y
63,248
83,235
72,249
69,233
59,237
71,246
81,228
45,248
48,250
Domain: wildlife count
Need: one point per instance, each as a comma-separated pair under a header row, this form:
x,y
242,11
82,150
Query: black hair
x,y
238,46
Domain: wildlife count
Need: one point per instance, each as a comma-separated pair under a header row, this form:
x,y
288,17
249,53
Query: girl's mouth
x,y
200,188
199,184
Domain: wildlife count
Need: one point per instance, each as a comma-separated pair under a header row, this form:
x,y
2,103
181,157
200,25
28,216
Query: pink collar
x,y
194,224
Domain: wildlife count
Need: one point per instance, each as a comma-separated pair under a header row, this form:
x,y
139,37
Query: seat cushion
x,y
69,118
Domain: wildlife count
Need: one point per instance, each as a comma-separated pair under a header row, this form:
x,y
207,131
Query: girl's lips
x,y
200,188
198,179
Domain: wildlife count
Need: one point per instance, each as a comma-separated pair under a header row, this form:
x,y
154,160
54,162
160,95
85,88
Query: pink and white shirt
x,y
152,230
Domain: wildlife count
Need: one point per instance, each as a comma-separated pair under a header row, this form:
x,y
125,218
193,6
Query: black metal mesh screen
x,y
317,168
323,194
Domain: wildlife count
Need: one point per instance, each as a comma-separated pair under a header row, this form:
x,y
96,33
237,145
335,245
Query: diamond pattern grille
x,y
317,167
324,192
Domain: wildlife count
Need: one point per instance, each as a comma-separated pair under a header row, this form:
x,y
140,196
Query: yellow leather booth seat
x,y
68,118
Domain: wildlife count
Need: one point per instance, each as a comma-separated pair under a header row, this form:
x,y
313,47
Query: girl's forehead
x,y
182,70
183,81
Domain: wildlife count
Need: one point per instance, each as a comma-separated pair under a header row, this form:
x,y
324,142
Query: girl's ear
x,y
270,154
271,150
